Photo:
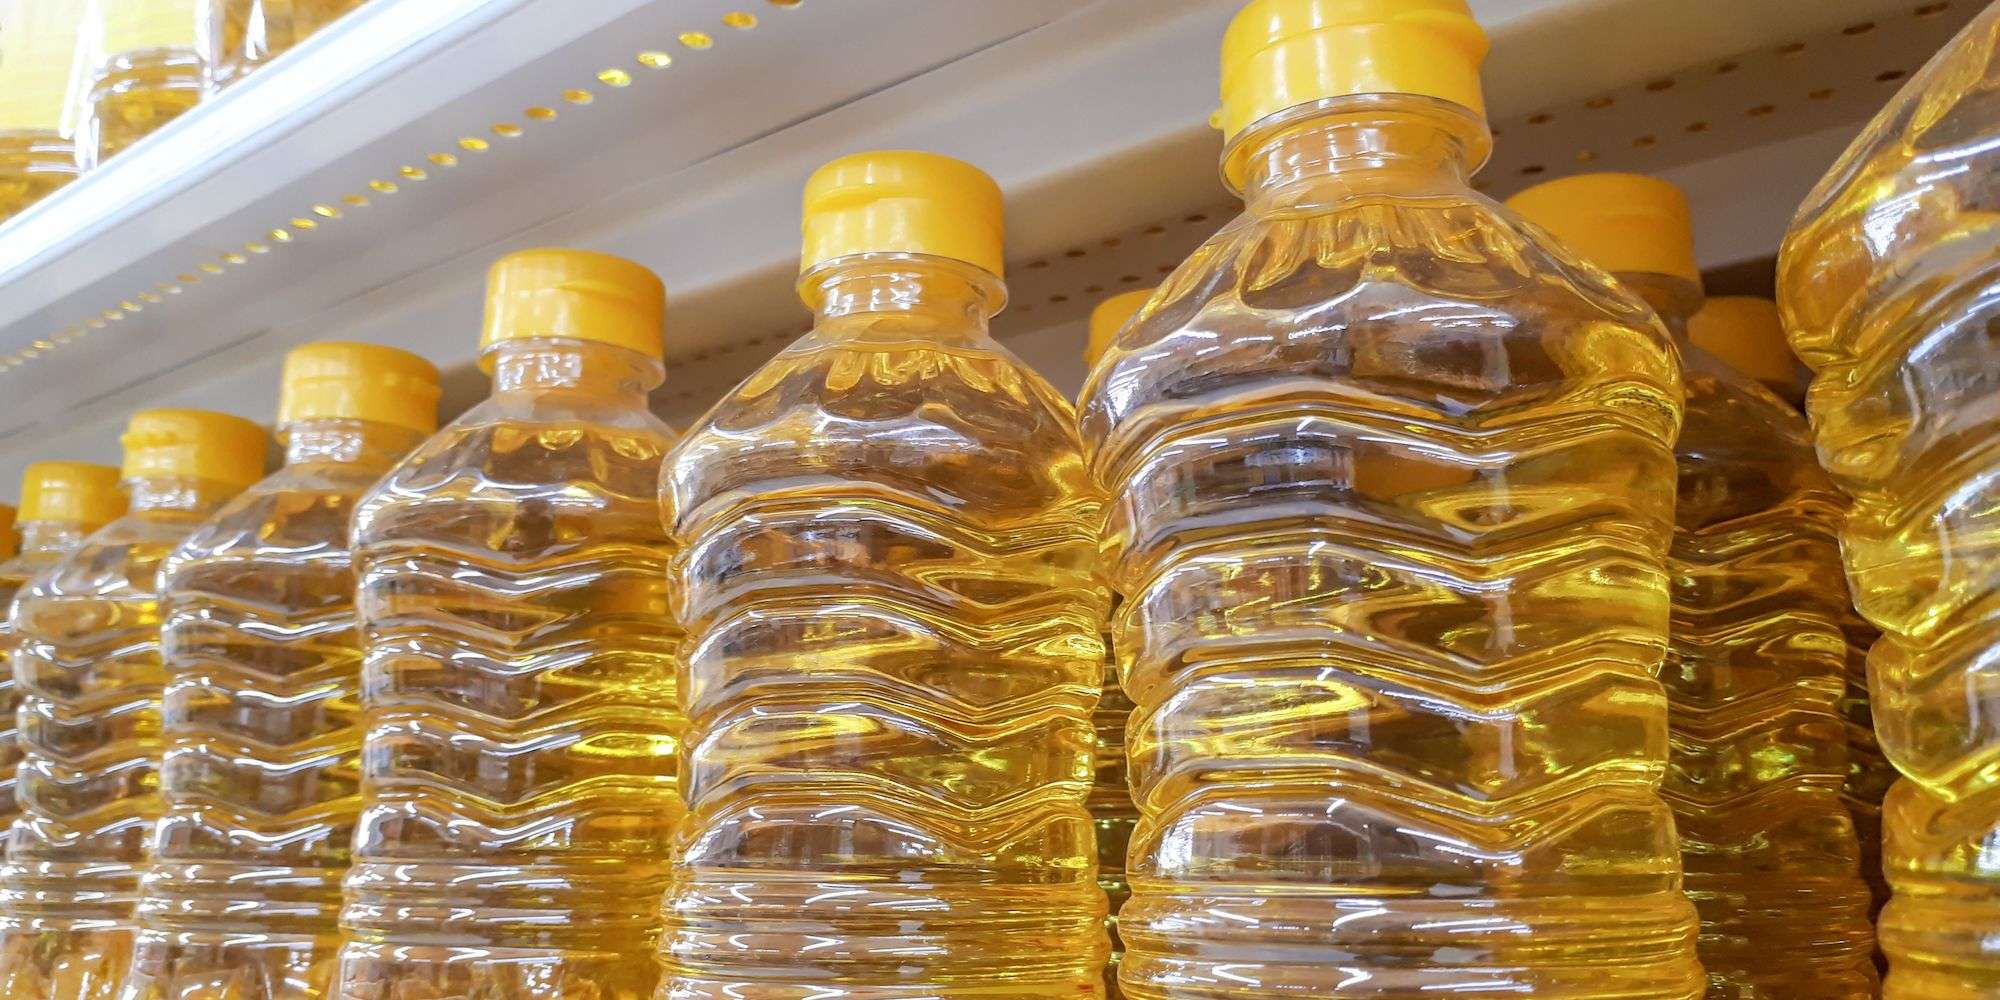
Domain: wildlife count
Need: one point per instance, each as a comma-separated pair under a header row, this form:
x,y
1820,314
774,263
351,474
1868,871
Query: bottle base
x,y
217,966
406,971
1767,935
33,164
78,963
1240,942
730,935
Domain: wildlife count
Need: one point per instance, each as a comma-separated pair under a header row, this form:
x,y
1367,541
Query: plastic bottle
x,y
521,729
1746,333
887,567
143,70
37,43
61,502
1756,670
88,663
237,36
10,694
1109,317
1111,794
1392,488
1886,281
262,722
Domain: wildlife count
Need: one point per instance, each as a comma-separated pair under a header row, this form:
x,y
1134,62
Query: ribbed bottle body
x,y
888,574
1391,496
262,732
1756,677
87,660
520,725
43,547
1112,809
1887,280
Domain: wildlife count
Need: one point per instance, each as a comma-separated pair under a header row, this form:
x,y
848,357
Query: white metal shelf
x,y
1090,113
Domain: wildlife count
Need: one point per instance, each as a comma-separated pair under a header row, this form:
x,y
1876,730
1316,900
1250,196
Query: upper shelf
x,y
358,186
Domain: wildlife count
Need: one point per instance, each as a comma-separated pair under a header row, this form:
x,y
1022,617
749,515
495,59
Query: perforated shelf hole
x,y
1836,78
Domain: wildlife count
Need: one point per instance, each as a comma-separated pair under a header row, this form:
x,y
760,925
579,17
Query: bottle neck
x,y
183,493
51,536
1674,299
1371,144
941,295
552,364
359,443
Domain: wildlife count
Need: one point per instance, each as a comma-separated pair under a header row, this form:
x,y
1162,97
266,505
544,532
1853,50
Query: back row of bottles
x,y
81,80
1410,605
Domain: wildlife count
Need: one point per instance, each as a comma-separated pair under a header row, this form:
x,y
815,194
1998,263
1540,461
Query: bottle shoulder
x,y
944,417
16,572
1914,185
116,567
1726,398
1745,455
1441,309
519,466
297,517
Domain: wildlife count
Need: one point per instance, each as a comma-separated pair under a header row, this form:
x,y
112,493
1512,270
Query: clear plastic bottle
x,y
1756,669
37,44
237,36
61,502
1745,332
1111,805
143,70
262,723
1392,489
11,578
521,729
88,663
1887,283
887,557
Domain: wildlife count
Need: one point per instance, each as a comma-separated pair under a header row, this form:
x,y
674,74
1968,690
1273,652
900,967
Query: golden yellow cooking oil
x,y
1886,284
887,568
1392,489
87,659
262,722
1756,667
1111,806
61,502
521,731
1745,332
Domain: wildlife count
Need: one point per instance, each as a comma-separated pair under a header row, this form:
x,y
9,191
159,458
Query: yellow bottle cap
x,y
577,295
897,201
72,492
1108,318
335,380
1623,223
1747,334
1280,54
194,444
